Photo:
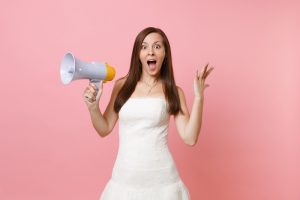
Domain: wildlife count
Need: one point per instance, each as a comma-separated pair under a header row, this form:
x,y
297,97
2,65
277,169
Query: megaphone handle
x,y
96,82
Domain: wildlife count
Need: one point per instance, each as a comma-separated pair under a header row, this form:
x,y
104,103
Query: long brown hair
x,y
135,72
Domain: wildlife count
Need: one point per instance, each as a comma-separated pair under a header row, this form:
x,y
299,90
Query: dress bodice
x,y
144,113
144,120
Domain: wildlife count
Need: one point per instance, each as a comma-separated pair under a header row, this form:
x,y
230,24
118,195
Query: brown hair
x,y
135,72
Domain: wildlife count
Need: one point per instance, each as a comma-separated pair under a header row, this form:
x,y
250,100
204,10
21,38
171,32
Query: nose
x,y
150,52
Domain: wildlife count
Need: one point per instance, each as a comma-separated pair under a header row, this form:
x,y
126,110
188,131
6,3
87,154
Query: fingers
x,y
90,93
89,97
99,90
92,87
204,72
208,72
205,68
197,74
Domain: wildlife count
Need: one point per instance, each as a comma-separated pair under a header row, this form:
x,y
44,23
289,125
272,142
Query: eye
x,y
157,46
144,47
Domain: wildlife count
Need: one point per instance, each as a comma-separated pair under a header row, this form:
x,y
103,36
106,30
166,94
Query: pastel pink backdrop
x,y
249,144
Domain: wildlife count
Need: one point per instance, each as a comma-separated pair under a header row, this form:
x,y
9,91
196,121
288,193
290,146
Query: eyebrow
x,y
153,43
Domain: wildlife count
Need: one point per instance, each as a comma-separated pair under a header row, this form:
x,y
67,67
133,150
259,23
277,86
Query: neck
x,y
148,79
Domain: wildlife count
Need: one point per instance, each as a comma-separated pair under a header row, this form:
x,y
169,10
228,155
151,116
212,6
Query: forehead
x,y
153,37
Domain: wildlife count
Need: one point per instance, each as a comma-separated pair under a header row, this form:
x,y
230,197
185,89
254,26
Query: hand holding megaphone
x,y
92,95
72,69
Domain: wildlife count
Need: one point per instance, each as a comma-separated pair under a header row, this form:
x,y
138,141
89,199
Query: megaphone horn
x,y
72,69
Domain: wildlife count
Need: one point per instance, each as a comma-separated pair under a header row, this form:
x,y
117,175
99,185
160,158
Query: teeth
x,y
151,61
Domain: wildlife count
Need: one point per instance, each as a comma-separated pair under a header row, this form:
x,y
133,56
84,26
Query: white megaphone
x,y
72,69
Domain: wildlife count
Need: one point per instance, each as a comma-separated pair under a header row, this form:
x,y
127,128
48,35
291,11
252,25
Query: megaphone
x,y
72,69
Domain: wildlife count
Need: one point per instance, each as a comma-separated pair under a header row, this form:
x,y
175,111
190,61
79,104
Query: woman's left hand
x,y
199,81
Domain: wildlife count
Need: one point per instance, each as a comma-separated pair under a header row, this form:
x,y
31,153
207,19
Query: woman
x,y
143,101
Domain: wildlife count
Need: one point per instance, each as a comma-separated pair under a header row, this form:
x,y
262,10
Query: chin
x,y
153,73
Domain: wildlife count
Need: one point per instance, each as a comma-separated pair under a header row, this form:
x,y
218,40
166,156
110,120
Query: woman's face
x,y
152,54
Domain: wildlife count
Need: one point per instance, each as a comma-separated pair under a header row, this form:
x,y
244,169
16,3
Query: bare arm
x,y
189,125
103,123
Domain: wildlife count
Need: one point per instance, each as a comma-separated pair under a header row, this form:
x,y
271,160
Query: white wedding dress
x,y
144,168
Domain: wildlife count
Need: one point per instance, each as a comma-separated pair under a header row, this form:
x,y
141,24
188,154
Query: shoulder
x,y
119,83
180,91
181,95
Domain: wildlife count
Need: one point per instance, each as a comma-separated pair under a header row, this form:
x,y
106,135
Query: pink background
x,y
249,145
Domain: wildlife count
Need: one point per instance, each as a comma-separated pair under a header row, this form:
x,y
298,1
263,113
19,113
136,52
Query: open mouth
x,y
151,62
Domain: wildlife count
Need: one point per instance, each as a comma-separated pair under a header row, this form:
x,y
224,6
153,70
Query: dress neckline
x,y
149,97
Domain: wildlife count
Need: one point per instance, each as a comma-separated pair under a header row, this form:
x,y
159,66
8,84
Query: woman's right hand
x,y
92,96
